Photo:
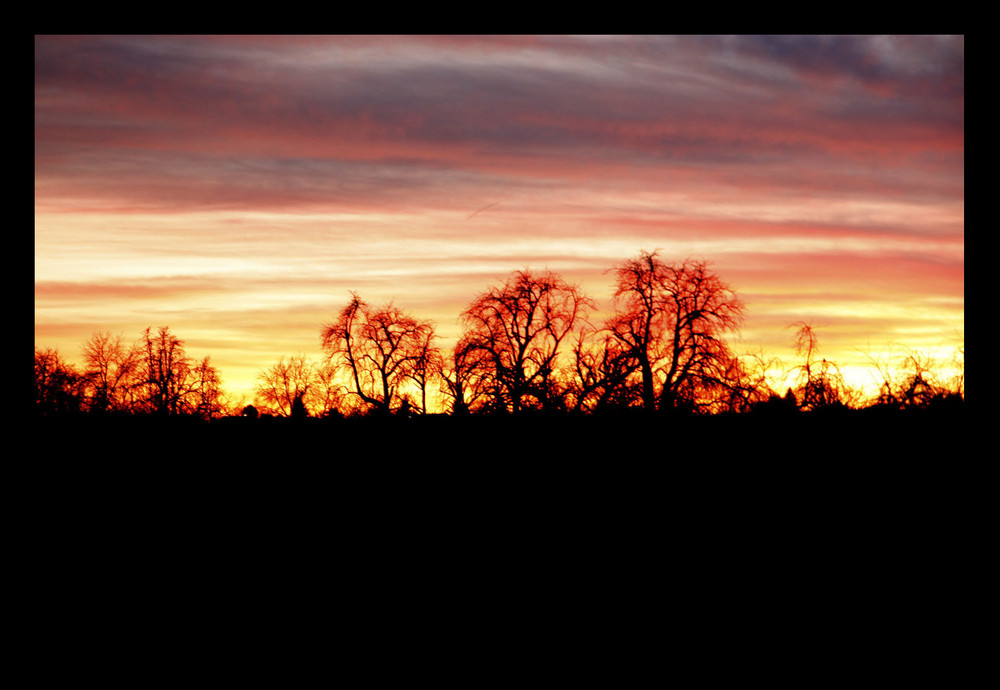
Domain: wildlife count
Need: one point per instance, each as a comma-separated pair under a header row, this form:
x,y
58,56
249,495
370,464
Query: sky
x,y
238,188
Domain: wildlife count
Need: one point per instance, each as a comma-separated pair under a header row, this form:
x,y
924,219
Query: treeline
x,y
153,376
528,348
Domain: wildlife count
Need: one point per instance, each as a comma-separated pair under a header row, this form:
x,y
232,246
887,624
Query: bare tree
x,y
886,396
59,388
604,372
673,318
166,372
379,349
427,364
918,383
328,391
466,377
111,370
519,328
280,385
914,379
207,398
820,383
745,383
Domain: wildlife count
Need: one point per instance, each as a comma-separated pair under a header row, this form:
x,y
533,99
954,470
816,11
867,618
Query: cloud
x,y
241,185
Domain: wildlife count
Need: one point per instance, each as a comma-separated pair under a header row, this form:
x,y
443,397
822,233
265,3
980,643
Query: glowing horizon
x,y
237,188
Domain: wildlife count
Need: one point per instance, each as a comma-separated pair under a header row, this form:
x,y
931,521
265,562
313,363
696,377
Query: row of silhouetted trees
x,y
151,376
528,345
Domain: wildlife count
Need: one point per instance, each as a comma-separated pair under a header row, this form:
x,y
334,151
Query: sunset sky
x,y
237,188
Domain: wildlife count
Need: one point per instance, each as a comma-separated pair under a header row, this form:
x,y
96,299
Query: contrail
x,y
482,209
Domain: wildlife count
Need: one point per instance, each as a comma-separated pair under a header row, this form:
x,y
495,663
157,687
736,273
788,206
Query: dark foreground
x,y
729,488
846,435
641,455
868,482
775,530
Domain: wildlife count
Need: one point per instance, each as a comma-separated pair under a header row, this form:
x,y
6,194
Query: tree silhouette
x,y
284,382
914,380
519,328
207,397
886,397
603,373
744,385
379,349
327,392
59,389
918,386
426,365
820,383
111,370
166,372
170,383
672,319
466,377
